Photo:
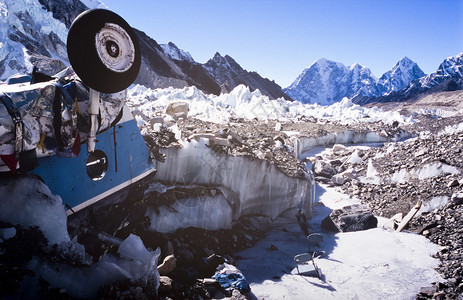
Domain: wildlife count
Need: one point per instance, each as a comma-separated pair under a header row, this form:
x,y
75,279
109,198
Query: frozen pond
x,y
317,150
371,264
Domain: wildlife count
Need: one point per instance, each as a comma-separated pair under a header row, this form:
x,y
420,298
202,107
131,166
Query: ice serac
x,y
30,203
229,74
260,187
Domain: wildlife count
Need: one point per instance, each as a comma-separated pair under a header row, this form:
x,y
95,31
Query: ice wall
x,y
210,213
260,187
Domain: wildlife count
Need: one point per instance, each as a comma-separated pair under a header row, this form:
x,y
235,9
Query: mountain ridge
x,y
447,77
326,82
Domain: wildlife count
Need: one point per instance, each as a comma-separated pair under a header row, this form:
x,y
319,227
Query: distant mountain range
x,y
326,82
448,77
34,33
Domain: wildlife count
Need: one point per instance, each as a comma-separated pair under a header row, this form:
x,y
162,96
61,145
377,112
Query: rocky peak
x,y
326,82
65,10
451,66
404,72
229,74
218,60
172,51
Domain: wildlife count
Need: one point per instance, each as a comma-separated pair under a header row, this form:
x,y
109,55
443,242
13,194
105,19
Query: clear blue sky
x,y
279,38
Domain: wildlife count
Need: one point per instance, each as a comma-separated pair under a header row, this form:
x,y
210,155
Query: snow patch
x,y
435,202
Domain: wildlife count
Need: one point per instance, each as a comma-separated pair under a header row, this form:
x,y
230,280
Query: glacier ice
x,y
210,213
260,187
135,263
242,103
30,203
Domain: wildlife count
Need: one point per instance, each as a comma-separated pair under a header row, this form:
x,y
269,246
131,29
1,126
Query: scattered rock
x,y
350,218
453,183
177,107
323,168
273,248
168,265
165,283
341,178
457,198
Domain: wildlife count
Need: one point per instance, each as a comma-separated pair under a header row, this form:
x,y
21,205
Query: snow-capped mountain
x,y
404,72
29,36
450,69
326,82
34,33
172,51
158,70
229,74
448,77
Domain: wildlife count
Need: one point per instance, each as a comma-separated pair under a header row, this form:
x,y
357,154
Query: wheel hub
x,y
115,48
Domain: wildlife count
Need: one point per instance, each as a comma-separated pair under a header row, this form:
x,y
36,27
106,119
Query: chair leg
x,y
317,269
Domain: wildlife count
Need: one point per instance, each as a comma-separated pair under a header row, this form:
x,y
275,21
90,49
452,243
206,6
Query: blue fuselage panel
x,y
128,161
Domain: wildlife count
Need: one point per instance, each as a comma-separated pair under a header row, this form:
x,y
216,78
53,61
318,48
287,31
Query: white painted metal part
x,y
115,48
93,110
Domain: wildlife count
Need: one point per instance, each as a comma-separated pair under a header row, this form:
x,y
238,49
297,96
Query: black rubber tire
x,y
84,58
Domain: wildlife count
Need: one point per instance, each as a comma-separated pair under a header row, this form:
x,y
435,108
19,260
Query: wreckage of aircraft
x,y
73,130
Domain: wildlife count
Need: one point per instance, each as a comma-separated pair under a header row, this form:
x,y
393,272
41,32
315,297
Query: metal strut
x,y
93,110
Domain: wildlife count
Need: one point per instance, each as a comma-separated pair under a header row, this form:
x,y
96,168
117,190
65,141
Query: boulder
x,y
457,198
165,283
177,107
341,178
358,221
328,225
156,120
168,265
221,142
350,218
323,168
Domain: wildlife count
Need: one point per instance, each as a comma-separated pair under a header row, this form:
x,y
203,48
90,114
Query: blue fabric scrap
x,y
232,281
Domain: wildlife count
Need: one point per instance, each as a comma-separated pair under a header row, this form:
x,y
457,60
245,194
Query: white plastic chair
x,y
316,249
